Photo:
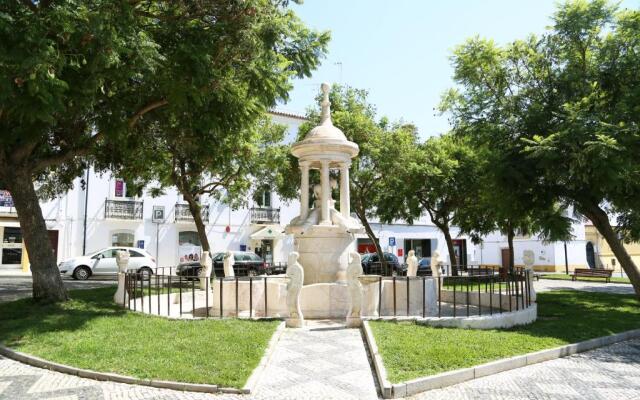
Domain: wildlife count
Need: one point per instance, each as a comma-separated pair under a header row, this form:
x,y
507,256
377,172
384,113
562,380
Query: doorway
x,y
460,251
591,255
505,261
266,251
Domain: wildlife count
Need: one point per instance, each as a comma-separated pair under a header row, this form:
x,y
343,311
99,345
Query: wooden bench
x,y
592,273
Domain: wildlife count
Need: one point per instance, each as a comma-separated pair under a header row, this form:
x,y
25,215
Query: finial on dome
x,y
326,105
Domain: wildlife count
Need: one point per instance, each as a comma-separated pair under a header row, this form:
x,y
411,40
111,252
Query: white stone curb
x,y
418,385
253,380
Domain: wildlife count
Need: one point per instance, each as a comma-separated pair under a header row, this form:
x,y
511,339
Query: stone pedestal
x,y
122,260
371,296
324,254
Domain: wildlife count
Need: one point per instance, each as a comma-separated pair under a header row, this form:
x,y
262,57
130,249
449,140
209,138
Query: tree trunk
x,y
600,220
47,283
452,254
195,209
510,235
363,219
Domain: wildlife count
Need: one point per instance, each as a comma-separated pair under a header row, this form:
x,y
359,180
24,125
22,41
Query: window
x,y
125,239
189,247
188,237
134,254
111,253
12,235
422,247
11,256
263,198
5,199
122,189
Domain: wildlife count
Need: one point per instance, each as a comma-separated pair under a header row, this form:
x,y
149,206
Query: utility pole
x,y
566,260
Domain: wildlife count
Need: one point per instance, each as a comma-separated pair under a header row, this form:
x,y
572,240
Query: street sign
x,y
158,214
392,241
140,244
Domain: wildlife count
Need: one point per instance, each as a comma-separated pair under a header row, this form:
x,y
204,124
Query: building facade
x,y
100,211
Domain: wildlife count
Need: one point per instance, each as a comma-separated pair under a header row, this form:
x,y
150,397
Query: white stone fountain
x,y
324,236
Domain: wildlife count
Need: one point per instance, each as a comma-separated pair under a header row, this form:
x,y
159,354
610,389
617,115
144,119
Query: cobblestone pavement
x,y
319,363
304,368
17,287
611,372
550,284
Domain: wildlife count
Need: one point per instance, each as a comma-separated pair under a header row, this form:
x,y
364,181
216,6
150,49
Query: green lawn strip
x,y
91,332
410,351
565,277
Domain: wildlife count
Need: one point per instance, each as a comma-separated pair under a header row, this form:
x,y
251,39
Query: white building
x,y
99,212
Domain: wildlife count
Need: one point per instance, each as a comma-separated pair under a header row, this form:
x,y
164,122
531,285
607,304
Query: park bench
x,y
592,273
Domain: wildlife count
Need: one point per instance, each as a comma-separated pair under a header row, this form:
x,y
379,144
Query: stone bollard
x,y
295,278
372,296
122,260
205,271
227,264
529,258
354,271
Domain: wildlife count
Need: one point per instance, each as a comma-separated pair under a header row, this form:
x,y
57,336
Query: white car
x,y
103,262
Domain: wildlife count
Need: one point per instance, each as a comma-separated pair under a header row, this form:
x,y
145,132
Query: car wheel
x,y
145,273
81,273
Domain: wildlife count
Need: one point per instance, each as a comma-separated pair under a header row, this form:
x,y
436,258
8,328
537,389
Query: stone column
x,y
304,190
326,192
345,198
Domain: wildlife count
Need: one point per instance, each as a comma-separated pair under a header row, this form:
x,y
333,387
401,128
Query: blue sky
x,y
399,49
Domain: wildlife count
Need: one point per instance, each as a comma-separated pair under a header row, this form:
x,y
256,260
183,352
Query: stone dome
x,y
325,138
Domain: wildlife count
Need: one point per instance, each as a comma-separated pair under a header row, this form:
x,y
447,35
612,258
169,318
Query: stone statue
x,y
412,263
295,275
205,270
435,264
528,259
227,264
122,260
354,271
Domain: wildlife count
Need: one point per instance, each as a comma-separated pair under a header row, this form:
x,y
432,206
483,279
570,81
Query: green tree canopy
x,y
564,106
84,79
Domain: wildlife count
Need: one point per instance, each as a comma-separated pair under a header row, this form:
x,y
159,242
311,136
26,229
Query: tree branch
x,y
67,156
148,108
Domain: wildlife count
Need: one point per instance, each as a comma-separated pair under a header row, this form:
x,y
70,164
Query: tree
x,y
80,79
208,162
564,106
437,179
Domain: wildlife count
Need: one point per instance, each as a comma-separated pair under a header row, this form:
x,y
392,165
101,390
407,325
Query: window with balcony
x,y
263,212
183,213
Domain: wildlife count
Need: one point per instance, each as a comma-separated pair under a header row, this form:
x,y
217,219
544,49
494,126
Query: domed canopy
x,y
325,140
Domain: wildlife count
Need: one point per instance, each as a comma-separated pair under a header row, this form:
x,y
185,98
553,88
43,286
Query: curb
x,y
111,377
418,385
255,376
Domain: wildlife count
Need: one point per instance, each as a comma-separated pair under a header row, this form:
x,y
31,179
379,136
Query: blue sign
x,y
140,244
392,241
243,247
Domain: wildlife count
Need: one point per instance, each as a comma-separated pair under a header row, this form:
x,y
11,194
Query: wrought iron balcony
x,y
183,213
264,215
123,209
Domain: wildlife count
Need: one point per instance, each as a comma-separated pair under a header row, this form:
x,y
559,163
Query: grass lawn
x,y
565,277
410,351
91,332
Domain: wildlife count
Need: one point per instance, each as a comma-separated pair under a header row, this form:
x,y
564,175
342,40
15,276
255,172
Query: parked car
x,y
246,263
424,266
371,265
103,262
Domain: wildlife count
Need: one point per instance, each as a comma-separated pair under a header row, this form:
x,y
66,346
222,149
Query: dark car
x,y
371,265
424,266
246,263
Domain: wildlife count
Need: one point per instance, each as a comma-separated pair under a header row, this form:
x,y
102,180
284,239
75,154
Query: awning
x,y
268,232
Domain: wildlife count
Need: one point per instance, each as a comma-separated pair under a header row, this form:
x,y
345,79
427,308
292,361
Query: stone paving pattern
x,y
608,373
